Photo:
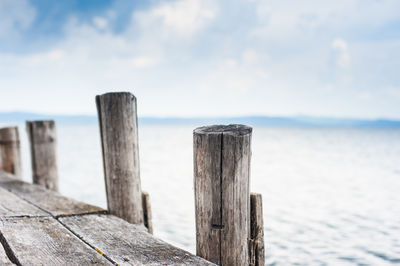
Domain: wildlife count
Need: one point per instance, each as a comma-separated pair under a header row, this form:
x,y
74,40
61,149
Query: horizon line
x,y
297,116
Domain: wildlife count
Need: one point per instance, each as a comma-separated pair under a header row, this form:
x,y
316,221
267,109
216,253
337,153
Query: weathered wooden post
x,y
43,144
10,153
222,197
147,217
256,242
119,139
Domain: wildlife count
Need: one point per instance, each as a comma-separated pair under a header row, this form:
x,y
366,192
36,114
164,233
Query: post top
x,y
9,134
117,94
232,129
40,122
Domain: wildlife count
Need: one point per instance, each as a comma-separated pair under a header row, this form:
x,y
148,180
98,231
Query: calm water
x,y
331,196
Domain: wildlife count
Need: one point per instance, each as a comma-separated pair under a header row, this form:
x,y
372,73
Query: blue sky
x,y
203,57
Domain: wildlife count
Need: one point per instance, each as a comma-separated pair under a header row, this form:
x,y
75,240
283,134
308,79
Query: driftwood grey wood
x,y
49,201
256,242
6,176
119,139
127,244
10,154
147,217
42,137
222,198
4,260
44,241
13,206
77,238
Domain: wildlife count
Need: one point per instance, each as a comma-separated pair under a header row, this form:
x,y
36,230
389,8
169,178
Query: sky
x,y
198,58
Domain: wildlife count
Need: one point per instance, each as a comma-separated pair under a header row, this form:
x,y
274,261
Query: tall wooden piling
x,y
43,145
10,153
222,198
256,242
147,217
119,139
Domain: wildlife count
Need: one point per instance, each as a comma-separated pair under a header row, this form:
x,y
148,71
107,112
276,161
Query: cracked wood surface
x,y
11,206
127,244
44,241
45,236
4,260
49,201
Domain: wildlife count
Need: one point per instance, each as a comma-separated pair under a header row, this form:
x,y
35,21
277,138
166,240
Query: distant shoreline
x,y
296,121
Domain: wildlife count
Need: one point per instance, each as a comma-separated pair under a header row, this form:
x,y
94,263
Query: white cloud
x,y
143,62
181,18
284,20
182,52
393,92
100,22
15,15
45,58
343,56
250,56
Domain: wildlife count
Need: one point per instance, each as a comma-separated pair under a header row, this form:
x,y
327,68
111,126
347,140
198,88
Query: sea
x,y
331,196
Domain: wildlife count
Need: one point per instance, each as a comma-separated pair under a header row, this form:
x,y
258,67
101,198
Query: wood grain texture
x,y
207,187
13,206
42,137
44,241
147,217
256,242
10,153
119,139
47,200
127,244
222,197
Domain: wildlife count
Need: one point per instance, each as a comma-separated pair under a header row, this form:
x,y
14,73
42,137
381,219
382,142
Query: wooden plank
x,y
4,260
119,139
126,243
44,241
222,172
256,242
13,206
4,176
47,200
10,153
42,138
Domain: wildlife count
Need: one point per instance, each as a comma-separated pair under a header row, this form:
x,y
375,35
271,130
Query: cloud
x,y
15,16
100,22
340,46
45,58
203,58
143,62
393,92
250,56
282,21
182,18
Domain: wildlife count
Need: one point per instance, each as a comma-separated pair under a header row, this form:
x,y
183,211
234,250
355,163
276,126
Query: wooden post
x,y
256,242
43,140
10,153
147,212
119,139
222,198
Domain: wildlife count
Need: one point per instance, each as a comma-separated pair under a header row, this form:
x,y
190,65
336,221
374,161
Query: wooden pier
x,y
42,227
39,226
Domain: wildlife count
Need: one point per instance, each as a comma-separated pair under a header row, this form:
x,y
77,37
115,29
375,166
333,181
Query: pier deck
x,y
42,227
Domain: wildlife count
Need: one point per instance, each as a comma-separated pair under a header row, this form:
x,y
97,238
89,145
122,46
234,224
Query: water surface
x,y
331,196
